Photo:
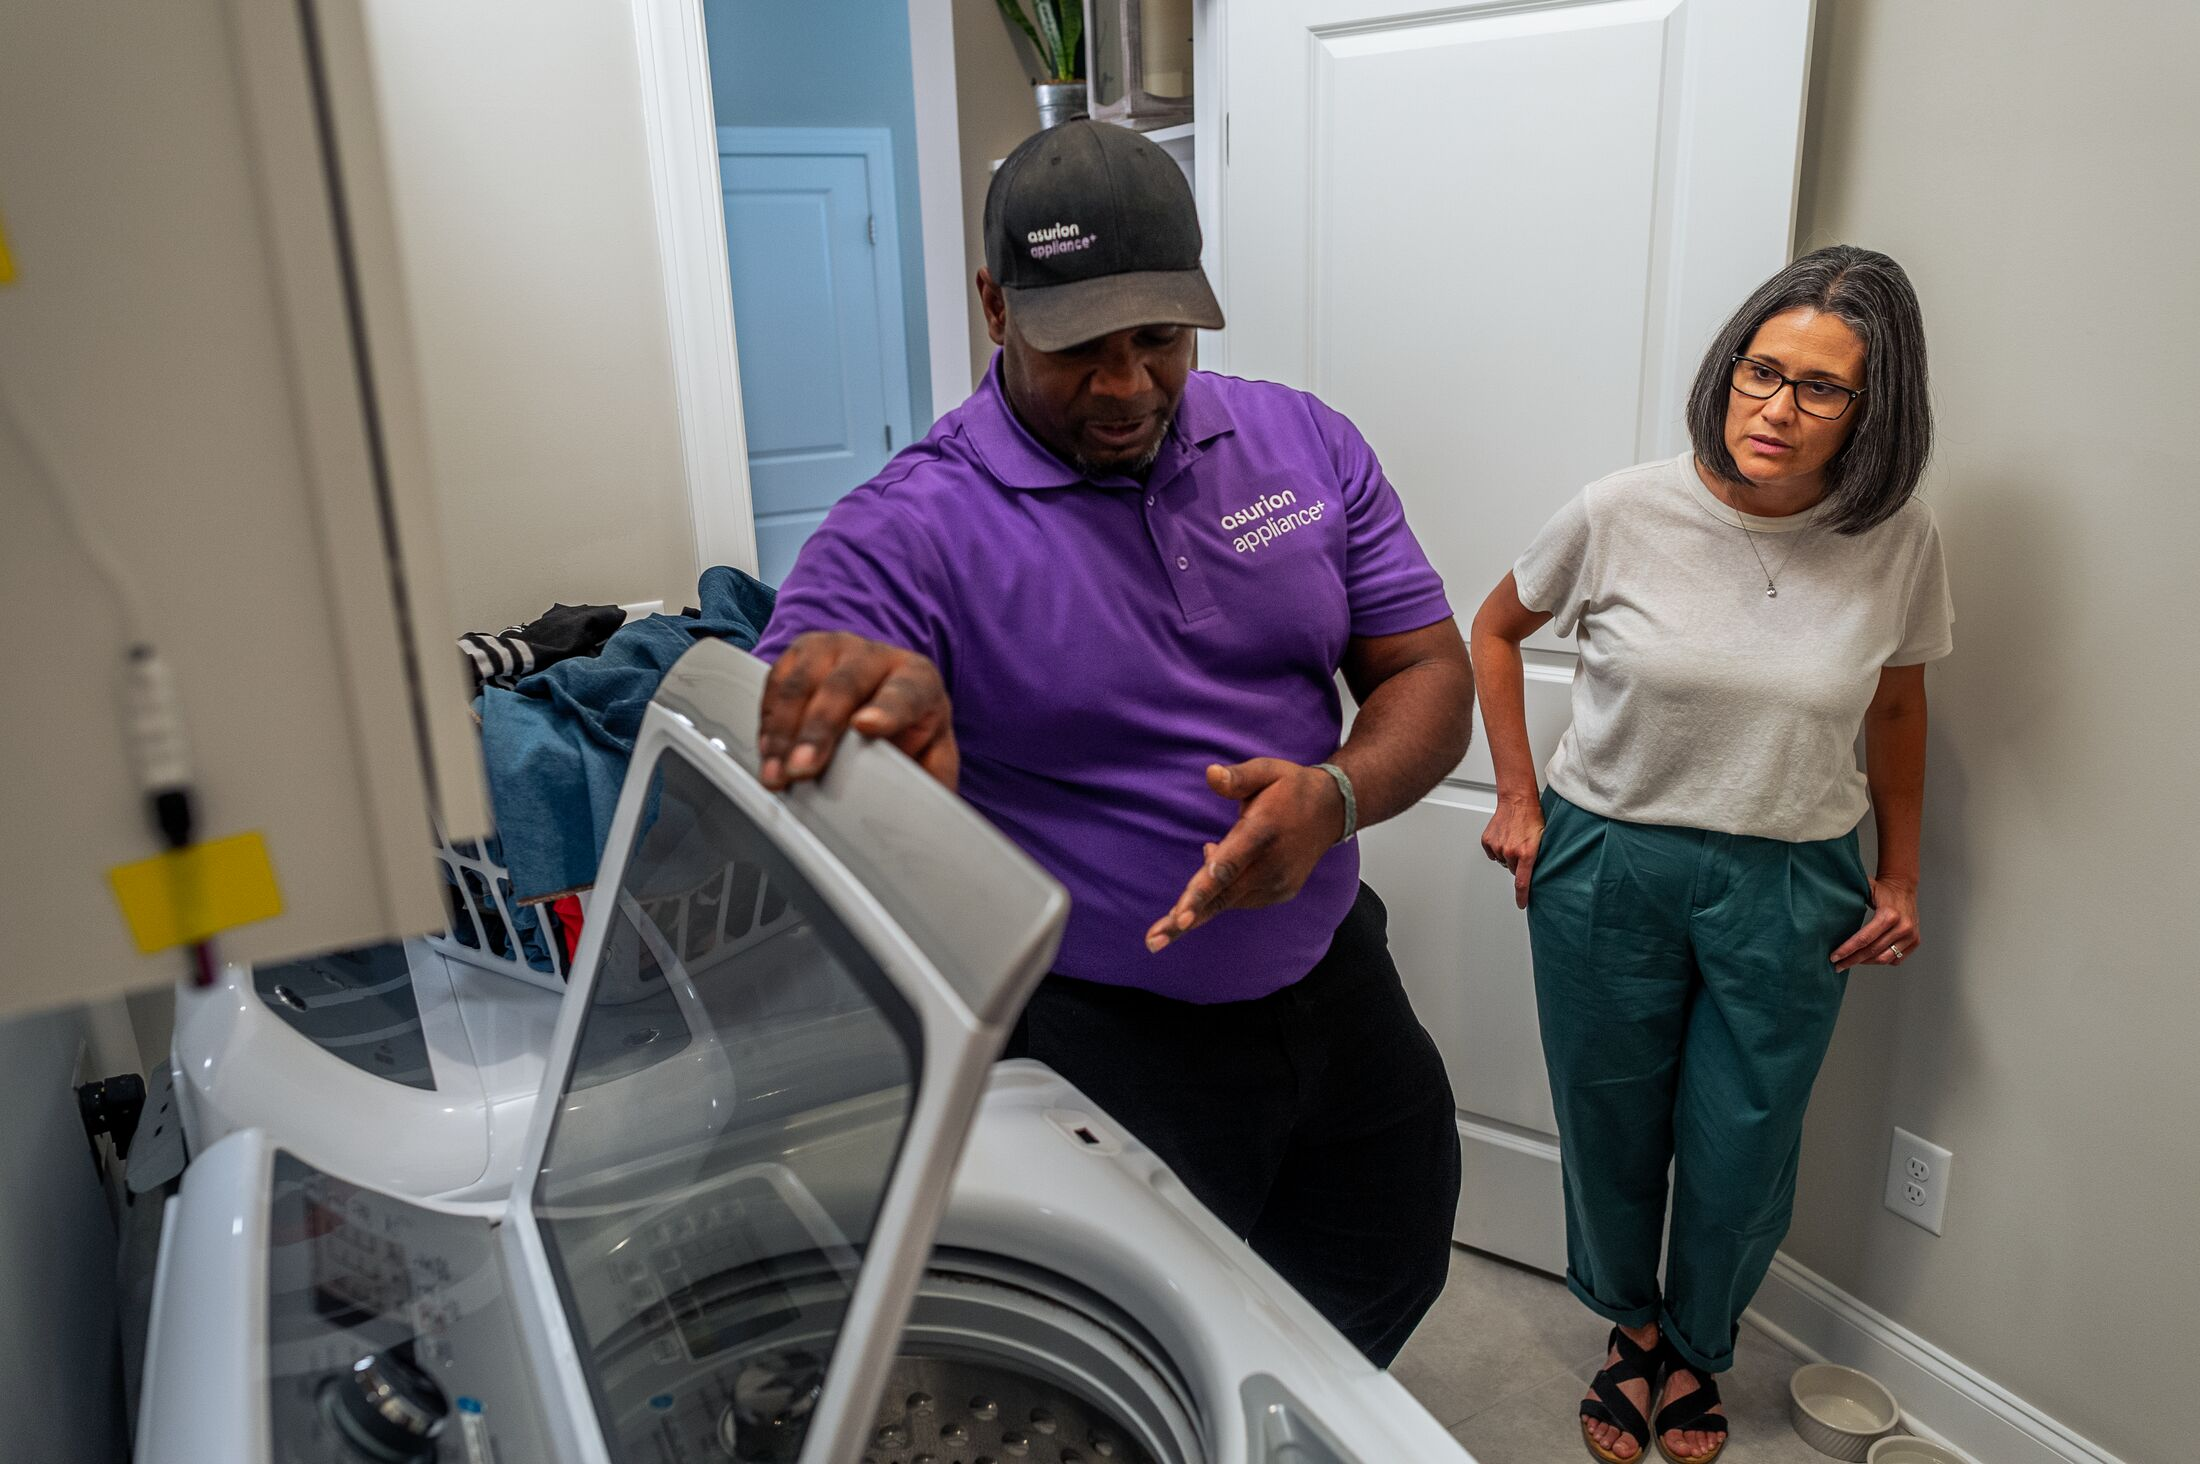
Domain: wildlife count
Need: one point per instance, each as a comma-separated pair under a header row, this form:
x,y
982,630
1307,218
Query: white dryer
x,y
737,1240
414,1067
405,1066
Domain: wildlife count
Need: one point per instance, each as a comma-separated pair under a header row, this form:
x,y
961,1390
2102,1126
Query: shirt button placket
x,y
1168,537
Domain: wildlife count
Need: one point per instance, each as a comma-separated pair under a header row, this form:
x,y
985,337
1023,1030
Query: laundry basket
x,y
721,912
490,929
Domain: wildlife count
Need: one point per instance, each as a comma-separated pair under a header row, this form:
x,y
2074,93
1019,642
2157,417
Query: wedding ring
x,y
1894,953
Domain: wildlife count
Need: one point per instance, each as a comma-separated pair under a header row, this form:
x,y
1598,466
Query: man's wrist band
x,y
1351,804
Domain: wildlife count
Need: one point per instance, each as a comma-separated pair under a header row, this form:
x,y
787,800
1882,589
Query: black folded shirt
x,y
500,658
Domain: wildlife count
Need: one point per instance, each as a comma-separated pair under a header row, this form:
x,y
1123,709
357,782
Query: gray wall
x,y
2034,165
58,1352
832,63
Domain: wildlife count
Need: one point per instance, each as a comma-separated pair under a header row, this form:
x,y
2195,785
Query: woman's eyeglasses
x,y
1824,400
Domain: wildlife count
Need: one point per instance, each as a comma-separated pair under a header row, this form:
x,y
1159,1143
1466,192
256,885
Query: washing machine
x,y
400,1064
414,1066
739,1230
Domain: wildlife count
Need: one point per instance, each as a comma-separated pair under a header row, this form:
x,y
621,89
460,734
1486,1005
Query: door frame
x,y
876,146
1211,146
940,202
680,126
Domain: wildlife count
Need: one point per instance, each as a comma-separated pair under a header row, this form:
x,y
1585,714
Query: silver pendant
x,y
1771,593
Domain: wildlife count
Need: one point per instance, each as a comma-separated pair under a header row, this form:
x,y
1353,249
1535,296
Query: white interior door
x,y
813,248
1497,236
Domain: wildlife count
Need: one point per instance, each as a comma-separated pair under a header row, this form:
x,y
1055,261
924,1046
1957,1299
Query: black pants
x,y
1316,1121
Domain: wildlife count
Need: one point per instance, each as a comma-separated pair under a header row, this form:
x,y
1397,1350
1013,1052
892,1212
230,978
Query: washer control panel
x,y
391,1334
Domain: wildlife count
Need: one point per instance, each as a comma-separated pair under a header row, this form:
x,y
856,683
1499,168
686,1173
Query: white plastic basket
x,y
731,909
489,928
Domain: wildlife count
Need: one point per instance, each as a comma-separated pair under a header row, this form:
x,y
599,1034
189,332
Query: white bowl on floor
x,y
1902,1449
1840,1411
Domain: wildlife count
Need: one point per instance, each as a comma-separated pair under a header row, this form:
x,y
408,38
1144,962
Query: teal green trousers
x,y
1686,994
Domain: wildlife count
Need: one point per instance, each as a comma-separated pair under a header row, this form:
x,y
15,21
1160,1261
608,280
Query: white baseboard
x,y
1942,1399
1511,1202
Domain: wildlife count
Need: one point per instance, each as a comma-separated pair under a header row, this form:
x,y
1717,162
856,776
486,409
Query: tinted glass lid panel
x,y
741,1087
391,1335
356,1005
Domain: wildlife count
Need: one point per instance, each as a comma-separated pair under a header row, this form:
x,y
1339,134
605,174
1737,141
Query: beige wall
x,y
173,353
994,112
2034,165
522,190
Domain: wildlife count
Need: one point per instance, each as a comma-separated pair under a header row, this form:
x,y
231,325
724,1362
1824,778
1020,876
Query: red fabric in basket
x,y
568,910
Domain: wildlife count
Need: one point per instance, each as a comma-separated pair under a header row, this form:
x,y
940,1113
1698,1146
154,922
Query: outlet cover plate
x,y
1917,1179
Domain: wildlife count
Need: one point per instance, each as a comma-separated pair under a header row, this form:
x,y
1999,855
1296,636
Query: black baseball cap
x,y
1089,229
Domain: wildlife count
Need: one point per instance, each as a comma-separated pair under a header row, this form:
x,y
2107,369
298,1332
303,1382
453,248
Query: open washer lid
x,y
779,1028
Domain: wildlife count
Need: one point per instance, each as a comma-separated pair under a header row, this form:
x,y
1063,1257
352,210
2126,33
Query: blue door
x,y
824,368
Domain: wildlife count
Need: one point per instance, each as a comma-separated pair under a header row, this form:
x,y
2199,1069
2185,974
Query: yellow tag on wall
x,y
7,265
193,894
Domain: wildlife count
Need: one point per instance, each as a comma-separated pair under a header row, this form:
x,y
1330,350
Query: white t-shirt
x,y
1701,701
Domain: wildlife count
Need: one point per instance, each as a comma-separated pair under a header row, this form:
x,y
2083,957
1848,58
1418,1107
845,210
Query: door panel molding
x,y
1512,1199
1486,9
1449,370
1731,135
1462,951
1496,235
1548,684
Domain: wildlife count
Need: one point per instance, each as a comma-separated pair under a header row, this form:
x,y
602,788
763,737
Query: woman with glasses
x,y
1691,874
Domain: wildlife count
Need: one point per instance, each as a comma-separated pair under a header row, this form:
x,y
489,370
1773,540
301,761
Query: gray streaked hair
x,y
1877,469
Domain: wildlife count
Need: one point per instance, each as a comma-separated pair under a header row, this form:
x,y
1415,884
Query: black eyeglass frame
x,y
1790,383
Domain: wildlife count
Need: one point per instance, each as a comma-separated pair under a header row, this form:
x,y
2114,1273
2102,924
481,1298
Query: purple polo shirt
x,y
1103,641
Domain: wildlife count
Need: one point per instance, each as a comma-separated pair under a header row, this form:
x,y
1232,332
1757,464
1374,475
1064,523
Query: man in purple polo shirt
x,y
1112,595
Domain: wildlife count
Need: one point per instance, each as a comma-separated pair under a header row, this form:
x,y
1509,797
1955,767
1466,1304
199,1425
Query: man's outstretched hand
x,y
1288,817
829,681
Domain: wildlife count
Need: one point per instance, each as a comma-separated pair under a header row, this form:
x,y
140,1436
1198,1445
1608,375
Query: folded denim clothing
x,y
555,747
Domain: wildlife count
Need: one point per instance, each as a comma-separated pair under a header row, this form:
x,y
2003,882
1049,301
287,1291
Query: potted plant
x,y
1056,30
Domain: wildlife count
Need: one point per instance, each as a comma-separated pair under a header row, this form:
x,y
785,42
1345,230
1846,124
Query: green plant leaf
x,y
1014,13
1050,33
1073,31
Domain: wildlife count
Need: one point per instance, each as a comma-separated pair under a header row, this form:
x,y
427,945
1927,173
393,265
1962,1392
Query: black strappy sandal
x,y
1691,1412
1611,1407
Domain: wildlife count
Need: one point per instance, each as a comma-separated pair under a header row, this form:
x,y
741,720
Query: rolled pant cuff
x,y
1633,1316
1702,1362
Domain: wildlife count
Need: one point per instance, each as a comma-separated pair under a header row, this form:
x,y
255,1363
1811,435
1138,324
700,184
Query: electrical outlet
x,y
1917,1179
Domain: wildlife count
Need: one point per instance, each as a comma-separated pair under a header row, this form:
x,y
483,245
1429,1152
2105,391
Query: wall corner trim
x,y
1942,1399
681,128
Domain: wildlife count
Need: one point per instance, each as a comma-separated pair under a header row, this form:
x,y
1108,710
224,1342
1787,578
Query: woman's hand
x,y
1514,835
1890,934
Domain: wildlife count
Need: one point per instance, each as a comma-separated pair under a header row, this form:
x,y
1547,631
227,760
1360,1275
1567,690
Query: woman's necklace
x,y
1772,588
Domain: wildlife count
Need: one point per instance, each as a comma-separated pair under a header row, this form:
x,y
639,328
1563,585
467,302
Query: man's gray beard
x,y
1136,468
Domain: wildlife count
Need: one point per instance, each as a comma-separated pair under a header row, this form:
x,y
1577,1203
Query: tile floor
x,y
1507,1353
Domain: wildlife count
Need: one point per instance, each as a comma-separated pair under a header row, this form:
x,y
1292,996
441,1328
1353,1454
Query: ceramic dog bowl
x,y
1840,1411
1902,1449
